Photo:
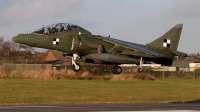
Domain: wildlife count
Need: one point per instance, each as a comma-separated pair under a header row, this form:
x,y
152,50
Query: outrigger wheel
x,y
76,67
139,69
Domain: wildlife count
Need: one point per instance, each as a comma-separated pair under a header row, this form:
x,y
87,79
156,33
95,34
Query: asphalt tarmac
x,y
192,107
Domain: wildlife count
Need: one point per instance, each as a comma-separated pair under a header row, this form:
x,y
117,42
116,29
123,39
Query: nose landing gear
x,y
75,66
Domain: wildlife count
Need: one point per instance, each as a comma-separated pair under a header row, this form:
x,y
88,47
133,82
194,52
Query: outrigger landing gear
x,y
75,66
140,66
116,69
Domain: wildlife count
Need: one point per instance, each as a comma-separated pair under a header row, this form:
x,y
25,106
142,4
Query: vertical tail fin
x,y
169,40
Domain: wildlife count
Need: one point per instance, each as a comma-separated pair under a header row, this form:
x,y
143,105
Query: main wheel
x,y
76,68
116,69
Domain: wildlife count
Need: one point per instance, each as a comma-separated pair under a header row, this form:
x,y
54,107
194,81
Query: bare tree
x,y
1,42
21,47
6,46
14,50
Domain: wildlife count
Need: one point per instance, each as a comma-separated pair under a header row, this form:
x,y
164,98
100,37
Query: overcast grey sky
x,y
138,21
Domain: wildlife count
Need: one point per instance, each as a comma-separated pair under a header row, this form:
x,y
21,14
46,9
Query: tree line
x,y
10,51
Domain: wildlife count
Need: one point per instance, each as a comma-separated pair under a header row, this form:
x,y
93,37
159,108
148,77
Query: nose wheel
x,y
76,67
116,69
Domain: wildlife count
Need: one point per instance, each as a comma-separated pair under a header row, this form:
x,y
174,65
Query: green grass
x,y
47,92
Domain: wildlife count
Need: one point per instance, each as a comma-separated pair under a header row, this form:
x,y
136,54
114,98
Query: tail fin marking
x,y
169,40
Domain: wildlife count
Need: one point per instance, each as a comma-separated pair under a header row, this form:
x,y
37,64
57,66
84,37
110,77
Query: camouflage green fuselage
x,y
81,42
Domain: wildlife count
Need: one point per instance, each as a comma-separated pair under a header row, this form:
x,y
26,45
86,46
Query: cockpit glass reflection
x,y
54,28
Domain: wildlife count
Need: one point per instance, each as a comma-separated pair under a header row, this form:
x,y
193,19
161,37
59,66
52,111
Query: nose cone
x,y
22,39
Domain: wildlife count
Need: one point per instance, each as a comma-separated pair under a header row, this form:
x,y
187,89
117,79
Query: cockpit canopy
x,y
59,27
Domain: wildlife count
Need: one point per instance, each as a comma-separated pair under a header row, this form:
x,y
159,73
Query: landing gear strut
x,y
116,69
140,66
105,68
75,66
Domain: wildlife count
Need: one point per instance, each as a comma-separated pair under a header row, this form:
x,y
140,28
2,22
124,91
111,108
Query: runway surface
x,y
192,107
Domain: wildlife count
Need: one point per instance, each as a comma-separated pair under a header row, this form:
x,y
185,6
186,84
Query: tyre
x,y
139,69
76,68
116,70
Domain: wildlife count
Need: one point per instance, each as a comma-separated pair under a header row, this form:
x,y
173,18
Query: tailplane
x,y
169,40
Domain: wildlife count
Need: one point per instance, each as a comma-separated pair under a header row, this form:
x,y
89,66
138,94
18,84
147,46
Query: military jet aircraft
x,y
81,45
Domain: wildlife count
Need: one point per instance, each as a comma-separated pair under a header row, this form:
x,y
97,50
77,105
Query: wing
x,y
130,49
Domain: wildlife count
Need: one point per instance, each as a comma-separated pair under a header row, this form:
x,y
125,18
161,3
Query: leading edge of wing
x,y
131,46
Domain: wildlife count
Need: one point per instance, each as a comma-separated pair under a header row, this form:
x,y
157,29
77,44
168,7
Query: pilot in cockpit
x,y
45,31
53,29
49,29
68,27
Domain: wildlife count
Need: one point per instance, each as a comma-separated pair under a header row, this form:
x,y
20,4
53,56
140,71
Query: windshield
x,y
54,28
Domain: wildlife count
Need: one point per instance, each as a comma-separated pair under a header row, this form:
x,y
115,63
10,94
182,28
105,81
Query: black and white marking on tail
x,y
166,43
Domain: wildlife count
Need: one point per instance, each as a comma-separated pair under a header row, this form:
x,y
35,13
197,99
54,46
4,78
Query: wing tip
x,y
179,25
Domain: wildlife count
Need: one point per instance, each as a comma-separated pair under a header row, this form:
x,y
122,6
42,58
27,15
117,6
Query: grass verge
x,y
50,92
70,74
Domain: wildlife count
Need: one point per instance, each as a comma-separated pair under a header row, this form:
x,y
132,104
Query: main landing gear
x,y
115,69
75,66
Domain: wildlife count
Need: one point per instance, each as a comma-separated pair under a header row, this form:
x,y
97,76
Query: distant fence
x,y
23,67
164,73
167,74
